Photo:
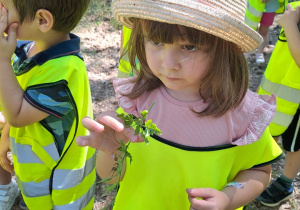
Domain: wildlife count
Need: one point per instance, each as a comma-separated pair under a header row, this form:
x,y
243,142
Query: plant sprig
x,y
141,126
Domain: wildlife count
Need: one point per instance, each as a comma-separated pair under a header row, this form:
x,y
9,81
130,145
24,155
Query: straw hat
x,y
222,18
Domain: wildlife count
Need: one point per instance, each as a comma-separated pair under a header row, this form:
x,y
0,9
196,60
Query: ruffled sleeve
x,y
264,107
124,86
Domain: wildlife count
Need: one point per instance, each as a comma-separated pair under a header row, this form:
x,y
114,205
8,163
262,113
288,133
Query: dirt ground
x,y
100,49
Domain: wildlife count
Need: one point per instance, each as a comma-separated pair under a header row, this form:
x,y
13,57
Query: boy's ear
x,y
45,20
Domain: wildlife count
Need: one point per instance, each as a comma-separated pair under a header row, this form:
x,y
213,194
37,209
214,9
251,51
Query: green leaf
x,y
111,187
144,114
105,180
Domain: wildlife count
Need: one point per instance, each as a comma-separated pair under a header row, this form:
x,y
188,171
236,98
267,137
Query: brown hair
x,y
226,81
66,13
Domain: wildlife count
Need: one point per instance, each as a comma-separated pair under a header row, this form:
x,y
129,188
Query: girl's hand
x,y
211,199
290,17
105,133
7,43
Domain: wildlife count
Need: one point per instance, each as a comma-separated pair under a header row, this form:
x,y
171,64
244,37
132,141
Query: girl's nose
x,y
170,59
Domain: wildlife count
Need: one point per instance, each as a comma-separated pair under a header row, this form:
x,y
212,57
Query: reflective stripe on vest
x,y
80,203
253,13
65,179
34,189
291,95
282,119
26,154
282,91
255,9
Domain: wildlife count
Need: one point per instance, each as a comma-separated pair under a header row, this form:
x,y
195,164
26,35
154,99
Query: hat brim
x,y
199,16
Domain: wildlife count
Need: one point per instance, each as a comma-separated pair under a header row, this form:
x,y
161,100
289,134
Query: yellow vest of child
x,y
161,171
255,9
124,65
48,180
282,78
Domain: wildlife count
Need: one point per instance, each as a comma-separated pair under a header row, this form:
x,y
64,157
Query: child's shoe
x,y
8,195
275,193
259,58
22,204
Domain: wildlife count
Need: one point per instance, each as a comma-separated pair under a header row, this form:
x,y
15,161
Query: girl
x,y
214,131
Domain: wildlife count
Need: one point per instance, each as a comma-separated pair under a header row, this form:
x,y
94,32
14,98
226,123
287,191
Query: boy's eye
x,y
156,43
190,47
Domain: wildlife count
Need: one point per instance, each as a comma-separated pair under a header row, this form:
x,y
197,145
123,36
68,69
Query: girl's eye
x,y
190,47
156,43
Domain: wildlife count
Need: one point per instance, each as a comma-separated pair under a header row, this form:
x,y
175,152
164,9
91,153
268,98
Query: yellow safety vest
x,y
282,77
47,179
255,9
161,171
124,65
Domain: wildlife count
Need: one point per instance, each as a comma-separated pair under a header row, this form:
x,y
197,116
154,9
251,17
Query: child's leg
x,y
281,189
263,31
266,21
291,143
9,190
291,164
5,177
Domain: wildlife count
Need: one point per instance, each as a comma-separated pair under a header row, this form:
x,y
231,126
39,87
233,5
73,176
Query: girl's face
x,y
180,66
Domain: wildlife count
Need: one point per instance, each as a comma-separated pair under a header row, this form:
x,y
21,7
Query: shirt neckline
x,y
178,102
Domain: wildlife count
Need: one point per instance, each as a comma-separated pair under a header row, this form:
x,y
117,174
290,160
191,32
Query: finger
x,y
3,20
289,7
92,125
129,133
201,204
111,122
10,167
6,164
298,10
12,33
83,141
200,192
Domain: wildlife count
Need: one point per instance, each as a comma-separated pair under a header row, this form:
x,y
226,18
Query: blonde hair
x,y
226,81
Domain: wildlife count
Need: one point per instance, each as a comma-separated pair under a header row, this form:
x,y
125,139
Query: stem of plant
x,y
145,128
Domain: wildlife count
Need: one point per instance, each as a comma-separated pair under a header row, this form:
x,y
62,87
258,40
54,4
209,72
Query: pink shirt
x,y
179,124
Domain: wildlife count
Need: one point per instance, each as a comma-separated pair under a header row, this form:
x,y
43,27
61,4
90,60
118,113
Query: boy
x,y
43,95
282,78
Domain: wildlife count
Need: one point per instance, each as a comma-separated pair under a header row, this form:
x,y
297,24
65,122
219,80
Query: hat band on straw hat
x,y
224,19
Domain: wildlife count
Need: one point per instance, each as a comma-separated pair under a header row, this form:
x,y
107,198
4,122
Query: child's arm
x,y
231,197
289,21
105,133
17,111
4,149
